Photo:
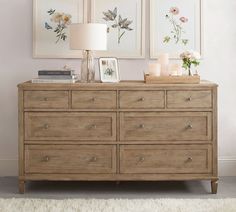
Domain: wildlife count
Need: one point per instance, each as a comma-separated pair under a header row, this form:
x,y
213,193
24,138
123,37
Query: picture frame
x,y
126,40
175,26
109,70
51,20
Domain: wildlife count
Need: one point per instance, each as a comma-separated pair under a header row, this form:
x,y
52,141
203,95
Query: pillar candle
x,y
163,59
154,69
175,70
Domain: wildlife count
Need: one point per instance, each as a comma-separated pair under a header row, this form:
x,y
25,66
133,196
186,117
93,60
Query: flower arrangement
x,y
177,25
122,25
62,21
190,58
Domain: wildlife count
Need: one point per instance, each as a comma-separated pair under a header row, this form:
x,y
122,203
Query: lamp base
x,y
87,67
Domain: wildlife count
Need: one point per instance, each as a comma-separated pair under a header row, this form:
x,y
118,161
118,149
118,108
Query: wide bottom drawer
x,y
165,159
70,159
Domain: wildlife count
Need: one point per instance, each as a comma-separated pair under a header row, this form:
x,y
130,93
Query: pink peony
x,y
174,10
183,19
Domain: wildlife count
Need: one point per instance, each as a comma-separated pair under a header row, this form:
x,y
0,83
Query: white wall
x,y
17,65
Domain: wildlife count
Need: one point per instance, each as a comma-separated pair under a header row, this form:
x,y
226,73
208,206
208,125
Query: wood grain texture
x,y
46,99
70,126
163,159
166,126
98,131
189,99
83,159
94,99
142,99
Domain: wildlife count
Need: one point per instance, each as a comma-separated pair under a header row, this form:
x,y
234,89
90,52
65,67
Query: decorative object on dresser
x,y
128,131
109,71
88,37
56,76
190,58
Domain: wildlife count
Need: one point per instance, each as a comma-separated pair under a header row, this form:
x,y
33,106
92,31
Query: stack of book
x,y
56,76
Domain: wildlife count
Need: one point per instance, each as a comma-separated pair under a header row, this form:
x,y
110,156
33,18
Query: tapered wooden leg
x,y
21,186
214,186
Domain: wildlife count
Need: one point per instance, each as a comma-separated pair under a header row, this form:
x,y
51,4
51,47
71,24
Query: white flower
x,y
196,55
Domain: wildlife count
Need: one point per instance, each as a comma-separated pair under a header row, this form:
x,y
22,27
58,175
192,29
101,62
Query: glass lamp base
x,y
87,67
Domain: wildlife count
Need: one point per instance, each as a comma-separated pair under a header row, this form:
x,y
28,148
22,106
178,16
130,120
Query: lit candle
x,y
154,69
175,70
163,59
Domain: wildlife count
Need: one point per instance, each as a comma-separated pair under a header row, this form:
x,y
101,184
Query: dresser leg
x,y
21,186
214,186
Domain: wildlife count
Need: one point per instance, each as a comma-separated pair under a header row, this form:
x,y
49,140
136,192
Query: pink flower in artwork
x,y
183,19
174,10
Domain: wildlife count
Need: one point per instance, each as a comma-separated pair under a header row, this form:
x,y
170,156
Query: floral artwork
x,y
51,21
59,23
177,27
122,25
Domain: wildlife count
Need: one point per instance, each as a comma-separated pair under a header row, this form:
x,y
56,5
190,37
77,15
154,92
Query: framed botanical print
x,y
175,26
51,26
109,71
125,26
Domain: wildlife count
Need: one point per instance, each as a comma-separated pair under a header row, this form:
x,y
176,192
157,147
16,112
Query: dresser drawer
x,y
70,126
165,159
142,99
46,99
171,126
189,99
94,99
70,159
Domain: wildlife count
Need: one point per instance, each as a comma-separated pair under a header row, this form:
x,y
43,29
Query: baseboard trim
x,y
227,167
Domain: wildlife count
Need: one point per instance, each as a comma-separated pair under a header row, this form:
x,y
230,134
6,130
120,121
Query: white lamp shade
x,y
88,36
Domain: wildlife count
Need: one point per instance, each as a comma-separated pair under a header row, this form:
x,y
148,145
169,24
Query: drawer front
x,y
94,99
155,159
70,159
189,99
46,99
70,126
142,99
172,126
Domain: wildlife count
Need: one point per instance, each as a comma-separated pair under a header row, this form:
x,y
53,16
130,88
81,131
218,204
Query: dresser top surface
x,y
122,84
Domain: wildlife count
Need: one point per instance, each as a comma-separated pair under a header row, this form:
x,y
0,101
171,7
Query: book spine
x,y
55,73
53,81
59,77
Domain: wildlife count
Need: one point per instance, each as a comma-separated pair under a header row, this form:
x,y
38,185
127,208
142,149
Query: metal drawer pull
x,y
190,126
93,99
45,99
142,99
141,126
46,158
94,126
93,159
189,99
190,159
46,126
141,159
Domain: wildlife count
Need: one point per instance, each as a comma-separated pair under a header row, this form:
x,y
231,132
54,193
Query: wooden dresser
x,y
129,131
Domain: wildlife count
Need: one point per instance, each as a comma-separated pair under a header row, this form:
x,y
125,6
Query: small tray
x,y
172,79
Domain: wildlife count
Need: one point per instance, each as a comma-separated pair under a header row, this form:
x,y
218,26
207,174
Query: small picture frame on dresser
x,y
109,71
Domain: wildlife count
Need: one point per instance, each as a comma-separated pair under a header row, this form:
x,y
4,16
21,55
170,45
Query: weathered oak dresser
x,y
116,132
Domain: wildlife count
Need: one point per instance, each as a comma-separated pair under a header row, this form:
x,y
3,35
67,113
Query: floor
x,y
108,190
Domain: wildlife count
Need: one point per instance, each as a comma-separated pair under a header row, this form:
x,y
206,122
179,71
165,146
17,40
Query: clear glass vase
x,y
87,67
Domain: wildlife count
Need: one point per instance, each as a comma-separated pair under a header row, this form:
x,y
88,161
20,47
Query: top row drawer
x,y
108,99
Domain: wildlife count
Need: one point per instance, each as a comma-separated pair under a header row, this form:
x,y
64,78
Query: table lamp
x,y
88,37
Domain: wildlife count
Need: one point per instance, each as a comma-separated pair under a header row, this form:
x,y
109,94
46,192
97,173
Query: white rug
x,y
138,205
